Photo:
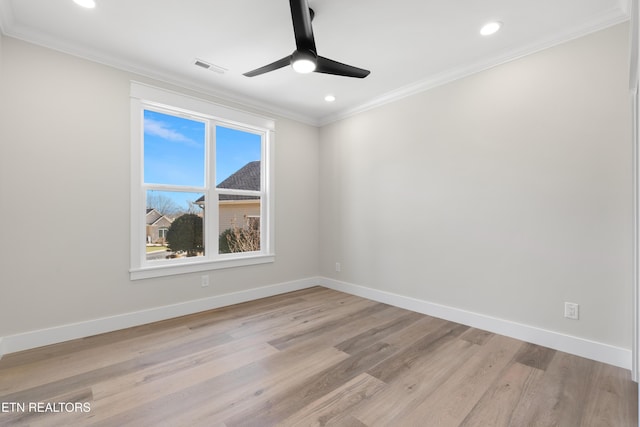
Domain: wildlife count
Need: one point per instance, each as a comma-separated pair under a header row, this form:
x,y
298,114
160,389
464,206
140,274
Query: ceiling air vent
x,y
209,66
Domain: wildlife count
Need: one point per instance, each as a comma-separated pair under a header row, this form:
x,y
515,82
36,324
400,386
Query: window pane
x,y
174,224
239,224
238,156
174,150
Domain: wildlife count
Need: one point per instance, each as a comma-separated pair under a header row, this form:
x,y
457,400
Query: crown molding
x,y
613,17
10,28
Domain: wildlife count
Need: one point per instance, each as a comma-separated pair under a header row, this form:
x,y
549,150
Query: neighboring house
x,y
157,226
238,210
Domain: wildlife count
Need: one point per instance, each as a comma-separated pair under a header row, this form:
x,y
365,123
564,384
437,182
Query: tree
x,y
162,203
185,234
240,239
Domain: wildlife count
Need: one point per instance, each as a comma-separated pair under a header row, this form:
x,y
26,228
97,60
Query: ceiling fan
x,y
305,58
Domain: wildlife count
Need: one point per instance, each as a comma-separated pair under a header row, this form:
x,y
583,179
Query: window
x,y
200,193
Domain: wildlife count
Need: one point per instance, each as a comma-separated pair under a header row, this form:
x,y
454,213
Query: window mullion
x,y
211,212
181,189
169,132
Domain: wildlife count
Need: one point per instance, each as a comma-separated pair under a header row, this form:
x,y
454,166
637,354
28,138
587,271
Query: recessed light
x,y
329,98
89,4
490,28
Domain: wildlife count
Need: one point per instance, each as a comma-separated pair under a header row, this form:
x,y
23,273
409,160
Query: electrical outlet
x,y
571,310
204,280
338,267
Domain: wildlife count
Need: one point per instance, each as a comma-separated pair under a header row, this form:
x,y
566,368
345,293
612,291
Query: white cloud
x,y
161,129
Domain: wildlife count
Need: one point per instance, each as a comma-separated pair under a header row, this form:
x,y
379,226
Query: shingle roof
x,y
153,217
245,178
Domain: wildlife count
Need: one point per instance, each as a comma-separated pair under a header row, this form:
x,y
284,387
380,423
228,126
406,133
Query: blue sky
x,y
174,152
234,149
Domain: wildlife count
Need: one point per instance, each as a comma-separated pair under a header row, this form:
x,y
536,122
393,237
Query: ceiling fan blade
x,y
305,54
329,66
271,67
301,17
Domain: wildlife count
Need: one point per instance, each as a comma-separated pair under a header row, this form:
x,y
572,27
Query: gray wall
x,y
506,193
64,189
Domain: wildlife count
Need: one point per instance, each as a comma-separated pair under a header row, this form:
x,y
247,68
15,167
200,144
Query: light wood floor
x,y
312,357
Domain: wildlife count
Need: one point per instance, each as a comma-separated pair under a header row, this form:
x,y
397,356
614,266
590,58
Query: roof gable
x,y
245,178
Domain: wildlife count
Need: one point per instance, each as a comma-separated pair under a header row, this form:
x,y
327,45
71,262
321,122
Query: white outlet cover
x,y
571,310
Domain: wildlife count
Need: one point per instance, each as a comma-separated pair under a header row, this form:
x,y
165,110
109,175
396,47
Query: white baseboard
x,y
605,353
581,347
57,334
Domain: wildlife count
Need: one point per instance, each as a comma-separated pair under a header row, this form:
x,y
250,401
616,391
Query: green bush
x,y
223,241
185,234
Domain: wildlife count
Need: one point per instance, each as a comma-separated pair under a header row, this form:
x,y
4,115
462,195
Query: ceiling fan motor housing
x,y
305,59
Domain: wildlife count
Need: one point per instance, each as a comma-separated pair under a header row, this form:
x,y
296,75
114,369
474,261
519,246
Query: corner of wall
x,y
598,351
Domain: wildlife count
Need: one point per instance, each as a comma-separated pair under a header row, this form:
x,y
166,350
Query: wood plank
x,y
609,400
535,356
412,353
106,370
334,407
308,311
348,330
407,390
327,325
336,359
35,371
301,325
497,405
476,336
132,391
457,396
377,333
315,386
220,403
558,400
216,361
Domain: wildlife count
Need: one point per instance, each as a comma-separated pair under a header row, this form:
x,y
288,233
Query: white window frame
x,y
148,97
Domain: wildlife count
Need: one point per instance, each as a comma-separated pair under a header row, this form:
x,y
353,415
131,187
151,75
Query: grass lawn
x,y
156,248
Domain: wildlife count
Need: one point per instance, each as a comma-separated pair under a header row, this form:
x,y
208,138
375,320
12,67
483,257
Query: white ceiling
x,y
409,45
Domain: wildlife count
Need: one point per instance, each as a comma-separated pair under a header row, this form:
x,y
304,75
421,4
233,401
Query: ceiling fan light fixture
x,y
304,62
303,66
490,28
89,4
305,58
330,98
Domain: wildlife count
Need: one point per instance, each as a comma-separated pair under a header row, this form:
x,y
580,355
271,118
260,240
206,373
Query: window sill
x,y
197,266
